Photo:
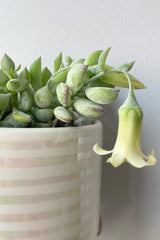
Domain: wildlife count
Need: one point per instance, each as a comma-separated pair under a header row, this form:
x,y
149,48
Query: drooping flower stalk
x,y
127,147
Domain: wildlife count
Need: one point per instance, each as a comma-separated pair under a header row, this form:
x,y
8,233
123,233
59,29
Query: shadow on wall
x,y
119,204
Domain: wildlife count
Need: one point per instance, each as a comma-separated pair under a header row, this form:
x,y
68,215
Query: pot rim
x,y
97,123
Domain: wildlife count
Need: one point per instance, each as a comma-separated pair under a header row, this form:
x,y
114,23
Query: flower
x,y
127,147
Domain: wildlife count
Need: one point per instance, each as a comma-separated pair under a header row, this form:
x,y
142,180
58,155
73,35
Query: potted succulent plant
x,y
50,176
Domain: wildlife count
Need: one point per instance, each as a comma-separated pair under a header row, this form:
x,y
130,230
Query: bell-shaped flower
x,y
127,147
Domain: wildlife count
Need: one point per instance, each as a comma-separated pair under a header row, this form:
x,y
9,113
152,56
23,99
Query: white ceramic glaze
x,y
49,183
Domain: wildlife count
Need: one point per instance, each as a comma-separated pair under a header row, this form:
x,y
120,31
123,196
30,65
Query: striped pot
x,y
49,183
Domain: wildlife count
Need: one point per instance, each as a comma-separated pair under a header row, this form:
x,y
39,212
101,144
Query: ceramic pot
x,y
49,183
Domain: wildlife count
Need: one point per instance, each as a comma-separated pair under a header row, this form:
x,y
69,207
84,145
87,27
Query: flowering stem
x,y
131,99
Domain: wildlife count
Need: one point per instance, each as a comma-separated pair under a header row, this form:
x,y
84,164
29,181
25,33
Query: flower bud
x,y
101,95
63,94
75,77
43,97
62,114
87,108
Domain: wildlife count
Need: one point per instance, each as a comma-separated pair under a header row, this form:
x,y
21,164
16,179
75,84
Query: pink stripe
x,y
33,182
24,199
27,163
19,235
23,145
39,216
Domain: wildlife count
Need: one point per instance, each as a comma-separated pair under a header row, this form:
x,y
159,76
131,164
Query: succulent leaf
x,y
17,85
57,62
119,79
35,124
25,101
63,94
21,116
101,95
35,73
102,59
7,64
42,115
126,66
3,77
69,60
11,123
62,114
76,76
24,75
88,108
45,75
92,59
43,97
4,100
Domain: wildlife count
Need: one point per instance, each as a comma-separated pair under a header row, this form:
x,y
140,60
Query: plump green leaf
x,y
76,76
35,73
119,79
57,62
64,95
101,95
87,108
46,74
3,77
11,123
17,85
25,101
21,116
69,60
7,64
43,97
126,66
102,59
35,124
4,100
62,114
92,59
42,115
24,75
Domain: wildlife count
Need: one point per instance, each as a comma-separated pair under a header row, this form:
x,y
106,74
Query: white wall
x,y
30,28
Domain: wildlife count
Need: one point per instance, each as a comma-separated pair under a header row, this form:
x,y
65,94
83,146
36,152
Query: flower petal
x,y
116,160
151,158
100,151
136,160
